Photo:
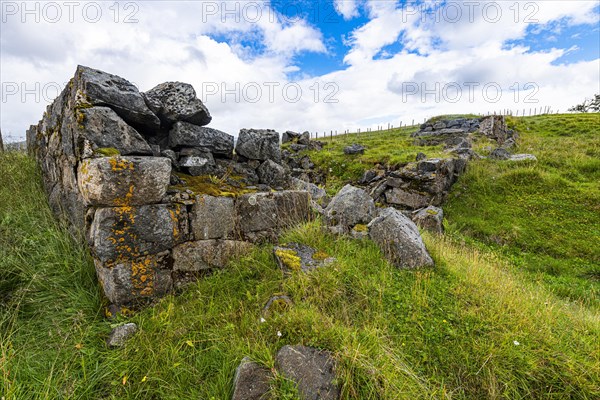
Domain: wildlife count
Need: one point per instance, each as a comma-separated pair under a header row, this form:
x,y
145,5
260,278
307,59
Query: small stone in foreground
x,y
297,257
251,381
313,370
119,335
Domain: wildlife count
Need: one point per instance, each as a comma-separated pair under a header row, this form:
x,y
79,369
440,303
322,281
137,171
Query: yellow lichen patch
x,y
431,212
360,228
289,258
207,184
320,255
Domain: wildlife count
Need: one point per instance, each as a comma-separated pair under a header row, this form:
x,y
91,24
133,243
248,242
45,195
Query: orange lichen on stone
x,y
120,164
142,276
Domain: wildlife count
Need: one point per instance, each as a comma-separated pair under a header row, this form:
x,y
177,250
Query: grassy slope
x,y
443,332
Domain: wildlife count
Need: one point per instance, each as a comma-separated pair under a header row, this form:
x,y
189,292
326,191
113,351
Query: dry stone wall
x,y
159,197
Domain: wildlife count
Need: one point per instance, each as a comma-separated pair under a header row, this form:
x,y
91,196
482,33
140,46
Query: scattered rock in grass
x,y
354,149
351,206
296,257
430,218
522,157
420,157
399,239
119,335
313,370
251,381
500,154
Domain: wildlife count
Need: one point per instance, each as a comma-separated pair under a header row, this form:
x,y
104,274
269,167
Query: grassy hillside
x,y
510,310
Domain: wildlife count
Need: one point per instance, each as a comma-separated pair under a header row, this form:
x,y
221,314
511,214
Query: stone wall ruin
x,y
159,197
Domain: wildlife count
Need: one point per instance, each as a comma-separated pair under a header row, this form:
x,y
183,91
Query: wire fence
x,y
525,112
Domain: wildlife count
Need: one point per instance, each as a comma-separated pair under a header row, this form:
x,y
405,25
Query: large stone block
x,y
207,254
213,217
399,239
98,88
407,198
177,101
103,128
130,281
124,181
184,134
267,211
259,144
123,233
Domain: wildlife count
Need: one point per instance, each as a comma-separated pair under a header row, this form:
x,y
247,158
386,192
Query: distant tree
x,y
588,105
1,143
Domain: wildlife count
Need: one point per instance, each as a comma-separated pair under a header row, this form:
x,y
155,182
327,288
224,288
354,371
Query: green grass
x,y
545,215
445,332
340,168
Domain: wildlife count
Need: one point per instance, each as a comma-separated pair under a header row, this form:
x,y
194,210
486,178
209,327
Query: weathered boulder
x,y
259,144
430,218
104,129
251,381
177,101
121,233
98,88
207,254
304,138
399,239
295,257
185,134
272,174
500,154
121,181
132,281
213,217
351,206
120,334
311,369
354,149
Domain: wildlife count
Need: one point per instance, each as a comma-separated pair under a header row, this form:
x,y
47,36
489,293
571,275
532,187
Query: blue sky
x,y
353,63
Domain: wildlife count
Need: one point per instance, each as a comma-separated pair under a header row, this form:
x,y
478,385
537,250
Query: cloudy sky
x,y
306,64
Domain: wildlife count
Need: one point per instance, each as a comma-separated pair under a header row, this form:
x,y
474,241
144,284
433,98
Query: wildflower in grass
x,y
262,320
516,343
279,333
